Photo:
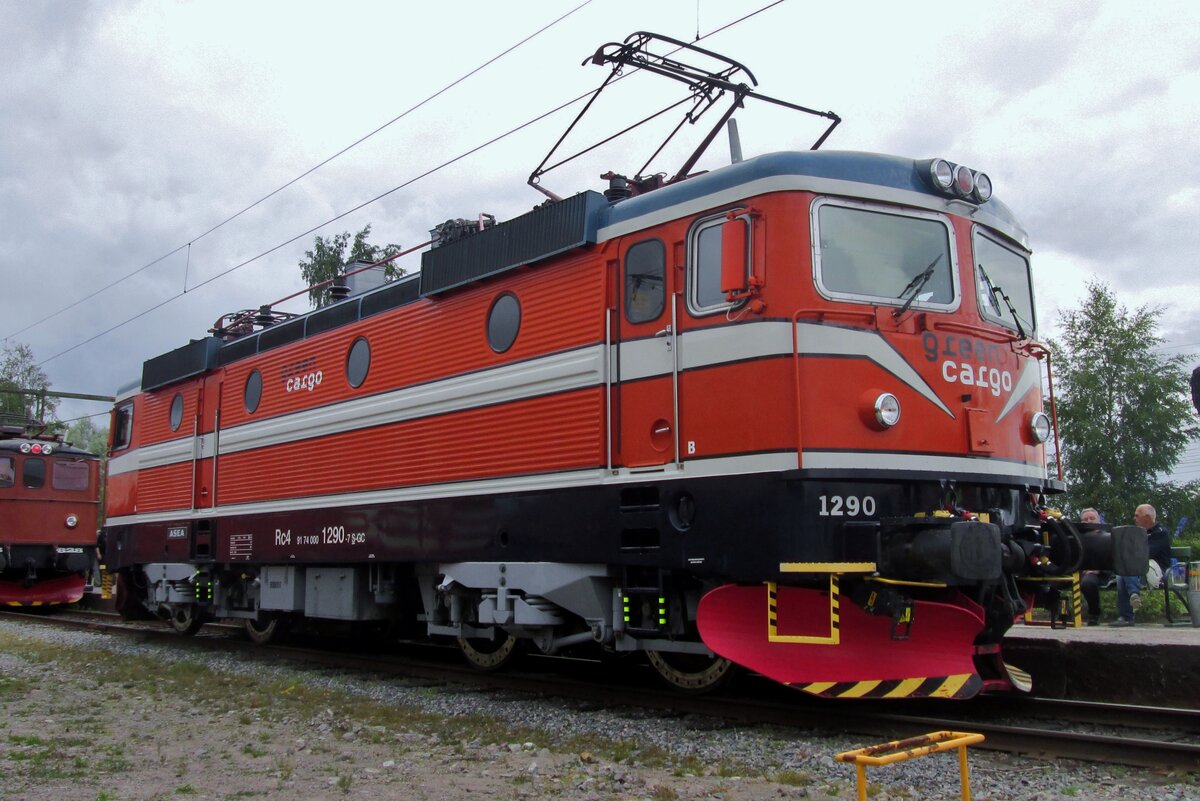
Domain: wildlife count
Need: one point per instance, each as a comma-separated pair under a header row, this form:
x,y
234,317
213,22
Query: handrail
x,y
1058,460
821,313
796,378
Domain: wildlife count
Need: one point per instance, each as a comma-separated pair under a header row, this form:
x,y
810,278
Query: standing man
x,y
1129,598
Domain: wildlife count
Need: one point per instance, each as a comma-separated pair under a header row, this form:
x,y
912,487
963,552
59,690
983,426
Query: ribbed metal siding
x,y
537,235
391,296
330,317
192,359
281,334
238,349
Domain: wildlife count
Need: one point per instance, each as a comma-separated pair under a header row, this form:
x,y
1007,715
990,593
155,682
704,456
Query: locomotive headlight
x,y
25,447
47,449
964,181
983,187
72,521
942,174
887,410
1039,427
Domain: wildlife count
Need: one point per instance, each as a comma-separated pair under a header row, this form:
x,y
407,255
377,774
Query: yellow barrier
x,y
1070,606
904,750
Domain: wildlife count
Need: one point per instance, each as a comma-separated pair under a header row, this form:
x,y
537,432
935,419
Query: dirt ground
x,y
112,727
89,717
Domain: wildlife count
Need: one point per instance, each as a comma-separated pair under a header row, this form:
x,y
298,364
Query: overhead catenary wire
x,y
300,177
364,204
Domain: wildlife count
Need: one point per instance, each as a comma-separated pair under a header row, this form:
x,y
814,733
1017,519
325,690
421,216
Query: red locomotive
x,y
785,414
49,505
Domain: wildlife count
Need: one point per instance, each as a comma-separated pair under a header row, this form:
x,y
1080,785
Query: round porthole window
x,y
176,411
504,321
253,391
358,362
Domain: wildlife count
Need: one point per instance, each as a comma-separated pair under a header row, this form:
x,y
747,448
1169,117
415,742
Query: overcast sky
x,y
130,129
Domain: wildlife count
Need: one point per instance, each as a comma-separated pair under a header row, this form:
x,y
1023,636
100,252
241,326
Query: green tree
x,y
1124,413
328,257
19,371
88,436
1174,502
85,434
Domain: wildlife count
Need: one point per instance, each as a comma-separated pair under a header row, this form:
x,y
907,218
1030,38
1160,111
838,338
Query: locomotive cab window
x,y
865,253
122,426
33,473
70,474
1001,272
645,281
707,254
8,471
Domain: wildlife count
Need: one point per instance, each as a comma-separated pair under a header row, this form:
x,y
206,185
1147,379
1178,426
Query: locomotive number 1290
x,y
847,506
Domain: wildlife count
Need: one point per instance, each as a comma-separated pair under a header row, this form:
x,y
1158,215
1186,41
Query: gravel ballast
x,y
98,717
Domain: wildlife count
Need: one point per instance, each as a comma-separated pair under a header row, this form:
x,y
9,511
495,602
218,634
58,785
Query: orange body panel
x,y
166,487
743,407
748,407
558,432
435,338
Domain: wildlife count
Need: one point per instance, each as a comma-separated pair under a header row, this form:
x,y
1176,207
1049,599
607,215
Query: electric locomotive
x,y
49,507
785,414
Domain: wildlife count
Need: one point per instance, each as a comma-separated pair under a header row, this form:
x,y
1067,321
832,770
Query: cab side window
x,y
645,281
8,471
122,426
707,254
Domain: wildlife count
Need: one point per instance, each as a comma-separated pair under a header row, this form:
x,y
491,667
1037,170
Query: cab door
x,y
647,357
205,443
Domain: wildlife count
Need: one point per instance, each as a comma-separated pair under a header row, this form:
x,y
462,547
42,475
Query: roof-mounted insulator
x,y
339,289
618,187
264,317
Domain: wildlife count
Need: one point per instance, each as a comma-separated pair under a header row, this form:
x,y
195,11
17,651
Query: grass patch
x,y
13,687
662,792
46,758
159,677
792,778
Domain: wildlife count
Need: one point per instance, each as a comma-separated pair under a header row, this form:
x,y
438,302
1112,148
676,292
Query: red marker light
x,y
964,181
36,449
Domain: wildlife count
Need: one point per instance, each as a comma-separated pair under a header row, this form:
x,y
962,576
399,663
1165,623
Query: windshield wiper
x,y
998,292
915,286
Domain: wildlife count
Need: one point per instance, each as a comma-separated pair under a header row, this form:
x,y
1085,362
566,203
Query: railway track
x,y
1153,737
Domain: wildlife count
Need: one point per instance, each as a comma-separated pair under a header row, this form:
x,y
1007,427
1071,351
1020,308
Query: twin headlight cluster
x,y
956,180
37,448
886,411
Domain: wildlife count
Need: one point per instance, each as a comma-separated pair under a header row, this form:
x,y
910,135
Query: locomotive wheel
x,y
125,599
488,655
692,673
186,619
265,629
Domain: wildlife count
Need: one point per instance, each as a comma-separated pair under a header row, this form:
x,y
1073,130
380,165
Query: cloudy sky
x,y
131,129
